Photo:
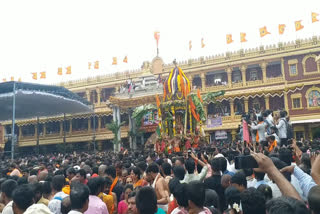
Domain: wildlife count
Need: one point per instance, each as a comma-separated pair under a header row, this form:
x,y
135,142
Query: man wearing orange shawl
x,y
272,143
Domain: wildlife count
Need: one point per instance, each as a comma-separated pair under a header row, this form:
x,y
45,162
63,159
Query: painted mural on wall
x,y
314,98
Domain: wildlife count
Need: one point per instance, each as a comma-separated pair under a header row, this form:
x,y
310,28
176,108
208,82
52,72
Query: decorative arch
x,y
313,97
304,61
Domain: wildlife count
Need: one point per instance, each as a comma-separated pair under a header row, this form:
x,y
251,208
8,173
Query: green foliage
x,y
140,111
175,103
199,107
114,127
211,96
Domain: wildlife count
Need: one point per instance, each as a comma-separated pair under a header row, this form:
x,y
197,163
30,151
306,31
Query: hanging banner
x,y
221,135
214,122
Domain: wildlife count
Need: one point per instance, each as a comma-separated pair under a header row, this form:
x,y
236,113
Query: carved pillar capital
x,y
98,90
203,81
263,66
243,69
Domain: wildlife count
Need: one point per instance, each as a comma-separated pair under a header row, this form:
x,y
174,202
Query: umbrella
x,y
26,100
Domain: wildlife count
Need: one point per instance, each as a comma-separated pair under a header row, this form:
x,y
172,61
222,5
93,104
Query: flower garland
x,y
173,121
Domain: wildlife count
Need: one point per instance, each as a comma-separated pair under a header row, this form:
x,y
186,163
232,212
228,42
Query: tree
x,y
114,127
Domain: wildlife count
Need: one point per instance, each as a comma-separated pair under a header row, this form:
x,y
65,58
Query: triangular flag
x,y
281,28
35,76
314,17
125,60
202,43
89,65
157,36
190,45
43,75
298,25
114,61
243,37
263,31
229,38
68,69
12,78
60,71
4,80
96,65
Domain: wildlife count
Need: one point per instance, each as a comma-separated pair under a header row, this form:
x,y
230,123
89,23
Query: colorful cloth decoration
x,y
176,82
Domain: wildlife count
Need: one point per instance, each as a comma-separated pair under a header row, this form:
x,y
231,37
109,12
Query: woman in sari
x,y
136,177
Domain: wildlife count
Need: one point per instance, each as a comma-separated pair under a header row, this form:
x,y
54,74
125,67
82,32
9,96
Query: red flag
x,y
43,75
157,37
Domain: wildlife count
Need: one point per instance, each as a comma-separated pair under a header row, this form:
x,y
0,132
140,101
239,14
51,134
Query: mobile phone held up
x,y
245,162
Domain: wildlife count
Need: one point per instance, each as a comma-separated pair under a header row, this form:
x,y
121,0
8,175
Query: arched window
x,y
310,66
313,97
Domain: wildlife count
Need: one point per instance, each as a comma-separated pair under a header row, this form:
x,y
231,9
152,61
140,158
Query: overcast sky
x,y
41,35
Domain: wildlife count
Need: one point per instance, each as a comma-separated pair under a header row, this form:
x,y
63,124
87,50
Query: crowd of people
x,y
204,180
266,129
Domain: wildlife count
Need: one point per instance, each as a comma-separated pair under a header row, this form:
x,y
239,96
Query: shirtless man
x,y
159,184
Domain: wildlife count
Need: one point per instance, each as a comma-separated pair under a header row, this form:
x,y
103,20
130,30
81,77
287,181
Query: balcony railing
x,y
254,83
216,87
275,79
237,85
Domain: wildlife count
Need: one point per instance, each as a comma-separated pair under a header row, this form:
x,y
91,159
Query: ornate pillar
x,y
282,69
70,129
229,73
263,66
266,100
233,134
98,90
61,128
130,129
99,124
44,129
89,124
88,95
203,81
285,96
205,108
191,79
243,70
119,133
20,132
117,118
35,131
310,132
246,104
231,109
100,145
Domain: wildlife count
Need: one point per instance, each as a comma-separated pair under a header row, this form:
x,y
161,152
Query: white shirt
x,y
74,212
38,209
8,208
282,127
55,204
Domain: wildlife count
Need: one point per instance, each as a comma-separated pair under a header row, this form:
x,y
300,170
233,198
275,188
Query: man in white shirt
x,y
55,203
7,189
190,167
22,198
282,128
79,197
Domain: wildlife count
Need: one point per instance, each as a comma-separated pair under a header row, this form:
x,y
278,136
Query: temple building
x,y
278,77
